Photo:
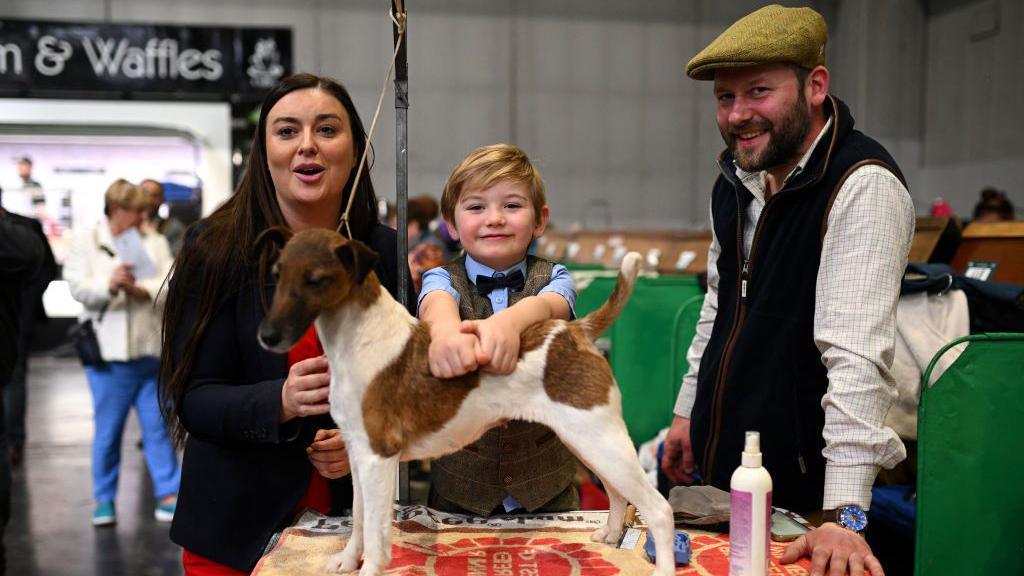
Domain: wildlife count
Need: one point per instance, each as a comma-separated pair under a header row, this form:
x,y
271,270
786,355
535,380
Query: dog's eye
x,y
318,279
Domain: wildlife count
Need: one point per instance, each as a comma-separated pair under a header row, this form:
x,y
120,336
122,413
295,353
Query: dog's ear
x,y
357,258
277,236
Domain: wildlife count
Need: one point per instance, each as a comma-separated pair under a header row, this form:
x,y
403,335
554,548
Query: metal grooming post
x,y
402,181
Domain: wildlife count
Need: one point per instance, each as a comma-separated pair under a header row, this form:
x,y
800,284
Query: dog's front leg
x,y
348,559
377,478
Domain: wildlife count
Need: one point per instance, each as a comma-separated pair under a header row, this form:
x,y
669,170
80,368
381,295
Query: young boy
x,y
477,307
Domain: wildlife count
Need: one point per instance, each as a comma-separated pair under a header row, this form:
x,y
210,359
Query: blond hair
x,y
487,166
124,194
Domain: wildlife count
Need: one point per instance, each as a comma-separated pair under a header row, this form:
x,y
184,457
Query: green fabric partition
x,y
643,351
971,461
592,291
645,342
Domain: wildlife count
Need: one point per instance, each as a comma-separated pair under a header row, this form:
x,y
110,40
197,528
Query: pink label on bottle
x,y
741,529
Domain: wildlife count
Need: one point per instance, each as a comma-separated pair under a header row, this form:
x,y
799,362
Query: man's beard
x,y
785,139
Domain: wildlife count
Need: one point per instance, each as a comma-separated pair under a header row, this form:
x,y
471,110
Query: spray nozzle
x,y
753,443
752,449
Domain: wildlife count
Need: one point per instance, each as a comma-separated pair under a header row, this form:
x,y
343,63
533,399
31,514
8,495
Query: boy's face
x,y
496,224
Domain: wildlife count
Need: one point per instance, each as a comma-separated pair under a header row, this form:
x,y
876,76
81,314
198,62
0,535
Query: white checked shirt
x,y
863,258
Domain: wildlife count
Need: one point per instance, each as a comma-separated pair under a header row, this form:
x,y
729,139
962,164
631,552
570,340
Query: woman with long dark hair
x,y
259,443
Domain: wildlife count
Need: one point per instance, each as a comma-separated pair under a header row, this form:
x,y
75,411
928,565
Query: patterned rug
x,y
426,542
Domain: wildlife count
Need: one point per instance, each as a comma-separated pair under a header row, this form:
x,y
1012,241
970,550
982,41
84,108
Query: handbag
x,y
83,338
83,333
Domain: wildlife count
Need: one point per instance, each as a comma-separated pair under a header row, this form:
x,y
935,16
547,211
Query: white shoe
x,y
165,512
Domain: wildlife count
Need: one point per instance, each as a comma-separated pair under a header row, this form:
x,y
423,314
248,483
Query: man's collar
x,y
474,269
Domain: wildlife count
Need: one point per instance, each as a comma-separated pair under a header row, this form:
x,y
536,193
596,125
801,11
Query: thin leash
x,y
398,16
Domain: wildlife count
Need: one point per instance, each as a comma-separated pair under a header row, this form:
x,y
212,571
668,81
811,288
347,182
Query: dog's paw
x,y
369,569
342,563
605,535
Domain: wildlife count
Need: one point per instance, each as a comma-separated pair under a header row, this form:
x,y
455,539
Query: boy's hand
x,y
455,354
499,342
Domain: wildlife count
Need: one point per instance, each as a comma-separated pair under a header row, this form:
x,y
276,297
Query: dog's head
x,y
317,270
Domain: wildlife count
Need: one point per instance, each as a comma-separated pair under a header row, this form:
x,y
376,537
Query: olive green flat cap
x,y
770,34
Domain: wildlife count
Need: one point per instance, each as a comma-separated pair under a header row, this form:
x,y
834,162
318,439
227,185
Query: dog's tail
x,y
595,323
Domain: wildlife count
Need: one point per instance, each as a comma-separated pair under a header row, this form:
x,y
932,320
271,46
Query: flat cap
x,y
770,34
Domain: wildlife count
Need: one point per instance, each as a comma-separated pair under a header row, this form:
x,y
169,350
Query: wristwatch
x,y
852,517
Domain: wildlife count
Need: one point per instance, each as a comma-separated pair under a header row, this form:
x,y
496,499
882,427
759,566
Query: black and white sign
x,y
82,59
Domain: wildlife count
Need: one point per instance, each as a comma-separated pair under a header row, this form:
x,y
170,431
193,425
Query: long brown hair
x,y
212,265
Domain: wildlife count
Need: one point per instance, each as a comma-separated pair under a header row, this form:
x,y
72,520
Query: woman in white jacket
x,y
116,271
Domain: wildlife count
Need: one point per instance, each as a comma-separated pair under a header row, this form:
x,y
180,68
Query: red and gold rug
x,y
426,542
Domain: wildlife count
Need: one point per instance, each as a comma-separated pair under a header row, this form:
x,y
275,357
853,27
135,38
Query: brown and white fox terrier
x,y
389,408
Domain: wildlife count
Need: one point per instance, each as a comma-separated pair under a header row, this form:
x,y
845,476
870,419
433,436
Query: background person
x,y
260,443
21,256
426,250
24,166
993,206
32,312
172,228
125,311
812,224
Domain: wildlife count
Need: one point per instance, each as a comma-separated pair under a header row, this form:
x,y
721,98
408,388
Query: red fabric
x,y
318,495
592,497
307,347
196,565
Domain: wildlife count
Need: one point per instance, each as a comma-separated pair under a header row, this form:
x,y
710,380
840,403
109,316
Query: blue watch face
x,y
852,518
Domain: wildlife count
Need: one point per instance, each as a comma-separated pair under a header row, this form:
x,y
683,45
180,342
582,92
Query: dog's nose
x,y
269,336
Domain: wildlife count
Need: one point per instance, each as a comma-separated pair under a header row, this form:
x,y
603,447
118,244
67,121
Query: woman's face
x,y
310,153
122,218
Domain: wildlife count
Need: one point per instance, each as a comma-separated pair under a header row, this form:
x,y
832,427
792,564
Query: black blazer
x,y
243,472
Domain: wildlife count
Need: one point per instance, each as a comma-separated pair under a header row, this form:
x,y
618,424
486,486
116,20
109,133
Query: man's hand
x,y
835,551
499,342
305,390
454,354
677,459
328,454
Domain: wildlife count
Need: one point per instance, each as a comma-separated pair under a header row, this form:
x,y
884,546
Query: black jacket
x,y
243,473
21,257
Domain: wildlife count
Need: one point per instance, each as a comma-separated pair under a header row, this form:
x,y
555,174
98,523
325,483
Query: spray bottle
x,y
750,513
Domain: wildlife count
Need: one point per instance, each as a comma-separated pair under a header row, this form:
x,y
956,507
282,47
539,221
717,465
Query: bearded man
x,y
812,224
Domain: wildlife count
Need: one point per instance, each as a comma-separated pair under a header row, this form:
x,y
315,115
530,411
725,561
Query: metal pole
x,y
402,184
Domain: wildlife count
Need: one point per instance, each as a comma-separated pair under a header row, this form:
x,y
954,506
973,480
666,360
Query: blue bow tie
x,y
514,281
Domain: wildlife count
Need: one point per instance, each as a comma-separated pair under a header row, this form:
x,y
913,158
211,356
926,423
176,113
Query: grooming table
x,y
426,542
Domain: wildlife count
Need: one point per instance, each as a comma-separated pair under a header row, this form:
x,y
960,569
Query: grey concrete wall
x,y
972,109
594,90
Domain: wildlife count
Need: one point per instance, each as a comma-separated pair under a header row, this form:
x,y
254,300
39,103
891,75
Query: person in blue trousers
x,y
116,270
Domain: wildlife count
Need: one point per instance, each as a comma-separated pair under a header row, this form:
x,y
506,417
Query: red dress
x,y
317,496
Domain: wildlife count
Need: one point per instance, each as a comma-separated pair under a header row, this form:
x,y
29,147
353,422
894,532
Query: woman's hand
x,y
328,454
305,390
136,291
121,277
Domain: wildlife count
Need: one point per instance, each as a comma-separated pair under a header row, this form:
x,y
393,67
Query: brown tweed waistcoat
x,y
520,459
